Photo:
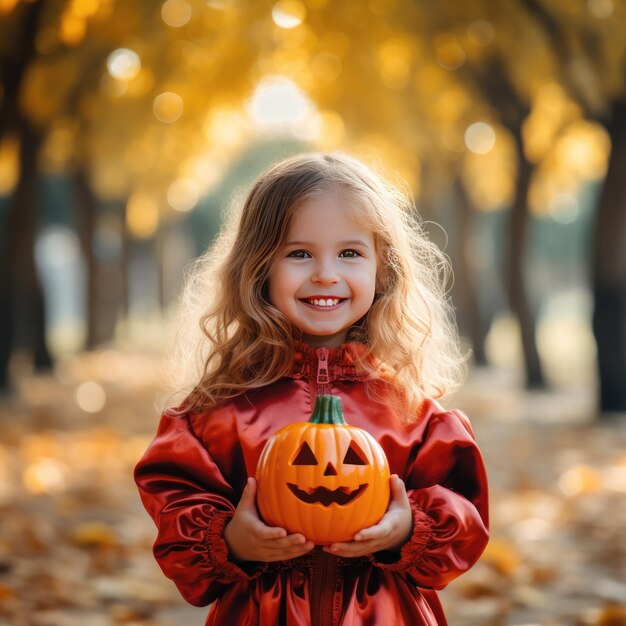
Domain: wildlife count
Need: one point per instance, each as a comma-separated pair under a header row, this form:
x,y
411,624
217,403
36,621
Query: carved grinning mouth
x,y
326,496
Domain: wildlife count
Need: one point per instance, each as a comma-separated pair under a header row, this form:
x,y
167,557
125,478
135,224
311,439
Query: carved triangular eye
x,y
305,456
355,456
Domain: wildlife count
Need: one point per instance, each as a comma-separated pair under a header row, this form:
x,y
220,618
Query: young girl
x,y
321,284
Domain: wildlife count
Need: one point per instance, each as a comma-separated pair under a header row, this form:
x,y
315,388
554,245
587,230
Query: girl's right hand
x,y
249,539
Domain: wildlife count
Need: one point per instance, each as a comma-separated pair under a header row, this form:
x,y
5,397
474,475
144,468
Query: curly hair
x,y
229,336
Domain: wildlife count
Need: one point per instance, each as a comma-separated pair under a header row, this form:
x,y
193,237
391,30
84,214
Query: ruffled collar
x,y
328,365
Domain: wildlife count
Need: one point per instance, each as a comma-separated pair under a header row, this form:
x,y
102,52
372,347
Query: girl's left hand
x,y
391,533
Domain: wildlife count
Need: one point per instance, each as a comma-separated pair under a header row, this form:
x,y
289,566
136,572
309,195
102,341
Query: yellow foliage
x,y
142,215
94,534
502,556
551,111
395,59
490,178
331,131
9,165
6,6
59,145
583,150
580,479
611,615
110,180
326,67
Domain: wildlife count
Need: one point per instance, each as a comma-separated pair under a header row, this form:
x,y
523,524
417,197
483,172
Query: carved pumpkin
x,y
323,478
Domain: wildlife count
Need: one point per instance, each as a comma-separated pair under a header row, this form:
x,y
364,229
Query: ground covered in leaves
x,y
75,543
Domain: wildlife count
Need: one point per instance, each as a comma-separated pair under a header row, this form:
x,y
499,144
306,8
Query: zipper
x,y
324,570
323,587
323,376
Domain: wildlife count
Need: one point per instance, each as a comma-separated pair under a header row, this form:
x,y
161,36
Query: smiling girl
x,y
322,283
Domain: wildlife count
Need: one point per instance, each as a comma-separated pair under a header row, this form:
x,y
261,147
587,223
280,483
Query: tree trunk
x,y
125,258
16,299
609,271
466,279
86,218
24,312
515,283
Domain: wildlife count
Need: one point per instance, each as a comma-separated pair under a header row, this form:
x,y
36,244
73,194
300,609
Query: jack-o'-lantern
x,y
323,478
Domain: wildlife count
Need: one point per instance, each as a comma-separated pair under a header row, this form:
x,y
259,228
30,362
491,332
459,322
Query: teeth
x,y
325,302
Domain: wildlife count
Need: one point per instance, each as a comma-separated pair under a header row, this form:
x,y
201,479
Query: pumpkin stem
x,y
327,410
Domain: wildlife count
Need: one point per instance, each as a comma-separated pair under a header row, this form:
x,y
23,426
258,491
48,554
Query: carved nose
x,y
330,470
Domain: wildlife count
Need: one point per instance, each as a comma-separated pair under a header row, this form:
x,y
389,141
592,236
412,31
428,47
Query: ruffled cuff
x,y
413,549
217,552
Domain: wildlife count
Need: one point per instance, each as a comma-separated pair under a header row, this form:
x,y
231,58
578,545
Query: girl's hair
x,y
229,336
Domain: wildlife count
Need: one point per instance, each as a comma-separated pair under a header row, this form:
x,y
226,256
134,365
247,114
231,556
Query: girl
x,y
321,284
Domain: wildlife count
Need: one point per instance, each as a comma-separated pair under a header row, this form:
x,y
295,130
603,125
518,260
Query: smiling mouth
x,y
324,303
325,496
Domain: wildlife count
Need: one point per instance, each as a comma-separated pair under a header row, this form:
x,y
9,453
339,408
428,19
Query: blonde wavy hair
x,y
229,338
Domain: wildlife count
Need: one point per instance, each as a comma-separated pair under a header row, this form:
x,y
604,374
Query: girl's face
x,y
324,278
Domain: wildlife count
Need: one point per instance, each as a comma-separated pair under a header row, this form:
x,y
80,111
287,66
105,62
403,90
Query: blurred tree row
x,y
488,105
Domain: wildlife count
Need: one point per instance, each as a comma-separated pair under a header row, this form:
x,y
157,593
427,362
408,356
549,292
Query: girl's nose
x,y
325,274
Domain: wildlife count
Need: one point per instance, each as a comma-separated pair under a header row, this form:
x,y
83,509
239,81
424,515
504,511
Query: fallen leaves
x,y
75,542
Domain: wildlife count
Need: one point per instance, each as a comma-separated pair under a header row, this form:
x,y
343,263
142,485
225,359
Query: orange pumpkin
x,y
323,478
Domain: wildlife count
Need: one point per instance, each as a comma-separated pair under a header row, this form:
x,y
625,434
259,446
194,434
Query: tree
x,y
22,311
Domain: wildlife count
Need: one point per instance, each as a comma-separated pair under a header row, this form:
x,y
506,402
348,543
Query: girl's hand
x,y
249,539
391,533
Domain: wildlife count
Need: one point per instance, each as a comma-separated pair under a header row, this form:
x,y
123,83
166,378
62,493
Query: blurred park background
x,y
125,130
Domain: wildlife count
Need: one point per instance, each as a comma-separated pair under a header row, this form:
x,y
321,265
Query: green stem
x,y
327,410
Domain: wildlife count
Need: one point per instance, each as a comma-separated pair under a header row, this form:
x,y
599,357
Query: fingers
x,y
379,531
267,533
398,490
353,548
286,548
248,495
391,532
290,550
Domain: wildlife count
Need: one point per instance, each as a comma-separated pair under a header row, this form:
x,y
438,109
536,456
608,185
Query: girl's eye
x,y
349,254
299,254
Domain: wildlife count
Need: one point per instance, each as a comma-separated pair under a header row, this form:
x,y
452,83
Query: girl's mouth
x,y
323,303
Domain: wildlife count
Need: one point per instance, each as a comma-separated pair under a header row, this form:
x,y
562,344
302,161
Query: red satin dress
x,y
192,475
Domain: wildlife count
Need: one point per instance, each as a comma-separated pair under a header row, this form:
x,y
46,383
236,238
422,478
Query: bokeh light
x,y
123,64
45,475
564,208
183,194
288,13
449,52
578,480
480,138
278,104
176,13
225,127
91,397
168,107
600,9
583,150
57,246
481,32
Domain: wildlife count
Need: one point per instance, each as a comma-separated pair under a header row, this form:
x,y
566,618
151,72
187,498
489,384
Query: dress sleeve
x,y
447,487
190,502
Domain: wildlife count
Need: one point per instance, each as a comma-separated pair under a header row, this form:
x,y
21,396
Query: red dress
x,y
192,475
